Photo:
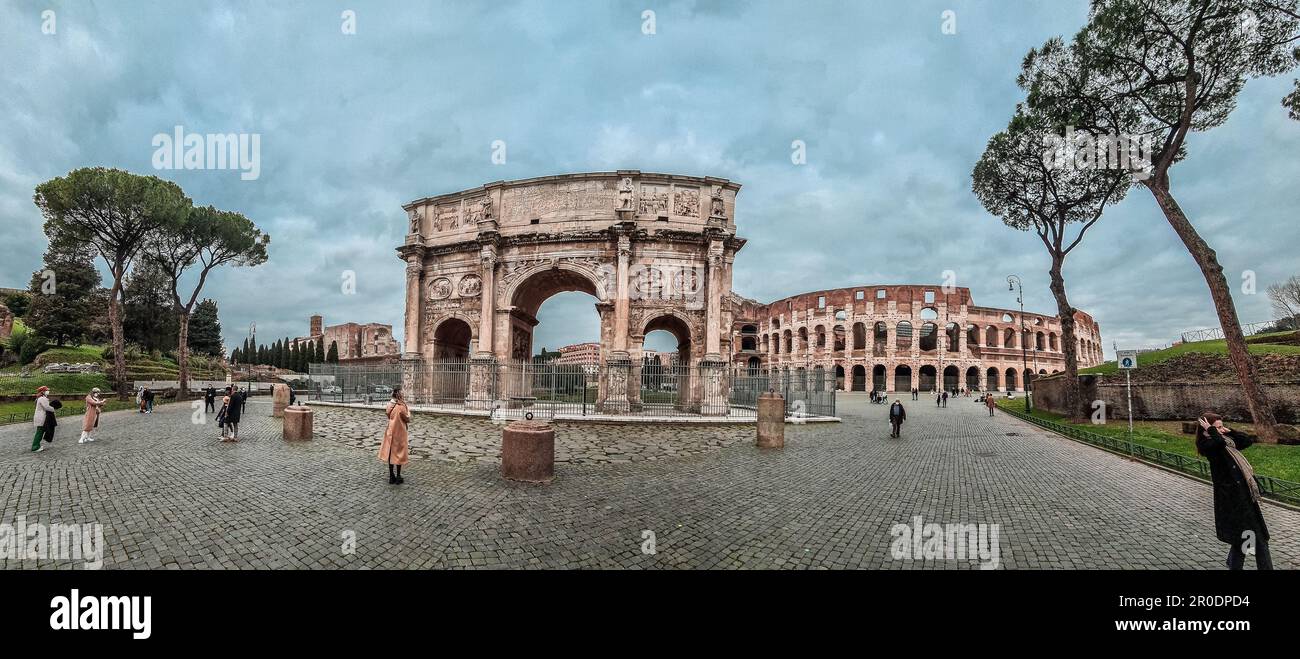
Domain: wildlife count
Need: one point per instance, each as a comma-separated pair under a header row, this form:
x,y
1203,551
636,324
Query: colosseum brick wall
x,y
896,337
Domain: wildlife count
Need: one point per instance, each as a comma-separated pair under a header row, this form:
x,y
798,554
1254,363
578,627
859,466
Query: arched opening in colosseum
x,y
819,378
929,377
838,334
973,336
1009,338
929,337
1040,341
994,380
1011,380
951,378
749,337
754,365
860,377
1053,343
821,337
803,340
903,378
859,336
562,292
972,379
928,313
953,339
878,382
839,377
789,342
880,339
903,336
991,337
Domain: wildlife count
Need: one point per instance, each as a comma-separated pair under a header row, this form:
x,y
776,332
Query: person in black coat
x,y
897,415
1237,517
234,410
209,400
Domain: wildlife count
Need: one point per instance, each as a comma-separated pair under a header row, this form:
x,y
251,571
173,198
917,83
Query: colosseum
x,y
899,337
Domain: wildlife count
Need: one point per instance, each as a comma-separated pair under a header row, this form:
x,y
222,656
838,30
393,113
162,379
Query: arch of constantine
x,y
656,252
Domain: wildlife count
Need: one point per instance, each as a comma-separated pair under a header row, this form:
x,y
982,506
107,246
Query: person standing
x,y
990,402
1238,520
148,400
94,406
945,398
43,408
221,414
209,399
394,449
234,410
139,399
897,415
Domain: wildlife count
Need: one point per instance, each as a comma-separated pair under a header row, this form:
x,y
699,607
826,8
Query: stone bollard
x,y
528,452
280,398
297,423
771,420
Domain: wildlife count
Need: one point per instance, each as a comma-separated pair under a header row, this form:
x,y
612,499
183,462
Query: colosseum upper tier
x,y
899,337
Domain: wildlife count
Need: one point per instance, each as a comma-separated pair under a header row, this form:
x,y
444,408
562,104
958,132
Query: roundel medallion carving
x,y
440,289
470,285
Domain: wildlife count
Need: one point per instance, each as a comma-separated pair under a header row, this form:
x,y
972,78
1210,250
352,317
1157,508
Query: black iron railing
x,y
1273,488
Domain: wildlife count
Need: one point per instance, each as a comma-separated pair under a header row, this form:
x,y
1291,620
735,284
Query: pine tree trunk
x,y
183,353
1069,345
119,340
1256,400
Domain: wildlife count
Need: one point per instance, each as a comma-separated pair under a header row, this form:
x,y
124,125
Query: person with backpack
x,y
43,409
897,415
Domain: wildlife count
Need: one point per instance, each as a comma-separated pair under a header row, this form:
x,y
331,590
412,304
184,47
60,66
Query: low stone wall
x,y
1167,401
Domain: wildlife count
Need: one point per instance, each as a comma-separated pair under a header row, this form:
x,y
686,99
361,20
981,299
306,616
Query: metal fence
x,y
1216,333
547,389
1274,488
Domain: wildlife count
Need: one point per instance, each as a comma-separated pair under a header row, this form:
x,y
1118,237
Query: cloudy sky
x,y
893,111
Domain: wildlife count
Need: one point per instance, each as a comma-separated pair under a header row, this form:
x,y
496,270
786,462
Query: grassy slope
x,y
1268,459
1218,347
142,368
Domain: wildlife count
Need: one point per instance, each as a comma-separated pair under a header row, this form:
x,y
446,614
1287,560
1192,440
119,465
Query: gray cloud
x,y
893,112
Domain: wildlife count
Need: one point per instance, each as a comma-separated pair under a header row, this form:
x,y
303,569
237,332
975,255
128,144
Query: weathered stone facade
x,y
893,338
655,250
368,342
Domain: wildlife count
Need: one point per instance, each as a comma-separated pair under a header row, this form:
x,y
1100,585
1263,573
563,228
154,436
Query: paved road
x,y
170,496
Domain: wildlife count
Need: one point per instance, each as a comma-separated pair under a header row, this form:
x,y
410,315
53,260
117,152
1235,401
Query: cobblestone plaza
x,y
170,496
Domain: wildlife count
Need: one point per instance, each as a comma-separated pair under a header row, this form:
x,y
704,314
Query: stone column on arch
x,y
414,285
482,365
617,369
714,395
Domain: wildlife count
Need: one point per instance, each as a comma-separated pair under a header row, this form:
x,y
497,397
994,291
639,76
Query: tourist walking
x,y
394,449
139,399
945,398
148,400
43,409
1237,517
90,421
897,415
52,420
990,402
916,393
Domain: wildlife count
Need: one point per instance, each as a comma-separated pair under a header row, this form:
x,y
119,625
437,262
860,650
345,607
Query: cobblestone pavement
x,y
475,439
169,495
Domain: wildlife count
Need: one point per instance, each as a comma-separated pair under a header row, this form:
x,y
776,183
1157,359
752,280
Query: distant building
x,y
580,353
356,342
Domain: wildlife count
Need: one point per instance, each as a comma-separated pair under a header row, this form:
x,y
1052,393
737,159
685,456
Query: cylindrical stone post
x,y
280,399
297,423
771,420
528,452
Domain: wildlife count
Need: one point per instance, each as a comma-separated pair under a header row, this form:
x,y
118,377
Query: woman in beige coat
x,y
94,404
394,449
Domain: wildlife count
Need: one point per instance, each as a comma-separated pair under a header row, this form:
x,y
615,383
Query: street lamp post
x,y
1014,284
